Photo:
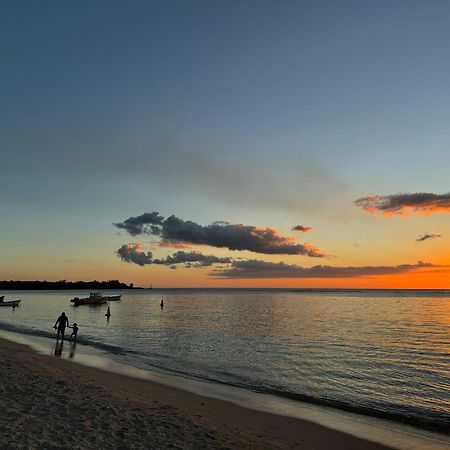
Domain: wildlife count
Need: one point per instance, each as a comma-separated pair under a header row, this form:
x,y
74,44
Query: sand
x,y
51,403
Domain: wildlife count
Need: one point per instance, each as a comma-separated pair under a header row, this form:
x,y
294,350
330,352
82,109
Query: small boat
x,y
112,298
12,303
95,298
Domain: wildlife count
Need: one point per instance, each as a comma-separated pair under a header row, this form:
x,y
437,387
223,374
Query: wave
x,y
424,419
408,415
80,340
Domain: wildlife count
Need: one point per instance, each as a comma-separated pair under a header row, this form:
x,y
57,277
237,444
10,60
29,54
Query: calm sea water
x,y
381,353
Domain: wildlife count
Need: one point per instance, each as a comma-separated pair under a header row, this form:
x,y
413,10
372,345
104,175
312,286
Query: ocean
x,y
376,353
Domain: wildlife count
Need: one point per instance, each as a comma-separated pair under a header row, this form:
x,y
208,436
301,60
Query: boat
x,y
113,298
12,303
95,298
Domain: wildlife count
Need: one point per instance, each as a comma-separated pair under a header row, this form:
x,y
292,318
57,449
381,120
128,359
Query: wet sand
x,y
51,403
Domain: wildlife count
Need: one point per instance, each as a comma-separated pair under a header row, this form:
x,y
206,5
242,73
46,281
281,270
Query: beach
x,y
51,403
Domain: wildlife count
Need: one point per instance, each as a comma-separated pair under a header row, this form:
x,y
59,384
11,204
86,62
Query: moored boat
x,y
95,298
11,303
113,298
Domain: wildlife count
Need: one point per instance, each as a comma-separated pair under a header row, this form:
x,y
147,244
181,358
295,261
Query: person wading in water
x,y
61,323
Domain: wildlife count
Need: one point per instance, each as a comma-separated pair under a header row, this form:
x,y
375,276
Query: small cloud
x,y
426,236
422,203
356,245
302,228
132,253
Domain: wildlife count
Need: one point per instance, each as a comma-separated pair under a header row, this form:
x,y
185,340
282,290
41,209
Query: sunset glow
x,y
183,157
225,224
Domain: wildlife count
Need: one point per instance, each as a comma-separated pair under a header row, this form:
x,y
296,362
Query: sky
x,y
226,143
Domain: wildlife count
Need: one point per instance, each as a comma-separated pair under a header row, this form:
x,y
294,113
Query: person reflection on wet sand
x,y
58,348
73,347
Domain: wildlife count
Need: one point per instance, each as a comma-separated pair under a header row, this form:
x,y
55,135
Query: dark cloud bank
x,y
400,204
133,253
257,269
261,269
174,231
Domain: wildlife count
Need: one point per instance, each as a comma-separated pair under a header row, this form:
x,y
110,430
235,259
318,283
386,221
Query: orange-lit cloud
x,y
255,269
132,253
174,231
302,228
173,244
421,203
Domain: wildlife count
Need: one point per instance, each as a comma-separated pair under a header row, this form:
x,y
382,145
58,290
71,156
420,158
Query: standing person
x,y
61,323
162,304
74,331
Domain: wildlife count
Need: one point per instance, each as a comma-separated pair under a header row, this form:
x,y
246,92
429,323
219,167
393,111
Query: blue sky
x,y
255,112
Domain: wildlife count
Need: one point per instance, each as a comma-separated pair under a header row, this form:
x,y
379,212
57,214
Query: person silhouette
x,y
61,323
74,331
162,304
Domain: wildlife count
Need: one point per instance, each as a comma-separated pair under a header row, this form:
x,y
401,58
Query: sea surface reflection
x,y
384,353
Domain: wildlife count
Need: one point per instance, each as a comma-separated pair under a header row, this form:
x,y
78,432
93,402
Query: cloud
x,y
302,228
173,244
192,259
145,223
261,269
174,231
425,236
132,253
257,269
423,203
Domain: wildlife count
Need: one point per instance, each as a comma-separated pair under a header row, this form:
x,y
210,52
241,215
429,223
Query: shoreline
x,y
45,396
381,432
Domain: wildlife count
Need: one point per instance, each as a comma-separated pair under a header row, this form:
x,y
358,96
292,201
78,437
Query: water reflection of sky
x,y
388,352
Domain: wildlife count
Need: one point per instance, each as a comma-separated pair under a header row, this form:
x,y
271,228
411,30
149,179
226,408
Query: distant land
x,y
63,284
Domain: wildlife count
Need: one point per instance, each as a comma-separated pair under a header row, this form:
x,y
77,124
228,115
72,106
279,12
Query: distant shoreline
x,y
117,285
36,285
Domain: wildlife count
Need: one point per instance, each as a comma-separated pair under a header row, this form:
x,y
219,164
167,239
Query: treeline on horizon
x,y
63,284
